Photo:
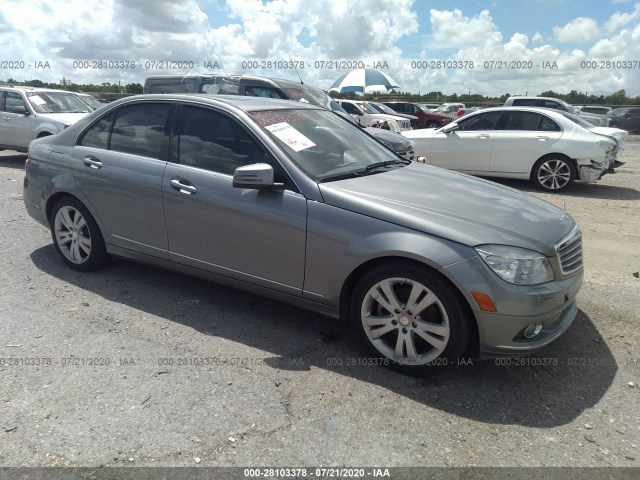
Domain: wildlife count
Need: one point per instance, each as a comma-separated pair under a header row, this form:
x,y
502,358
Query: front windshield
x,y
324,146
57,102
303,93
369,109
92,101
570,108
383,108
618,112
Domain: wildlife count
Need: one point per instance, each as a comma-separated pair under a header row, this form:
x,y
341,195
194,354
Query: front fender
x,y
47,127
339,241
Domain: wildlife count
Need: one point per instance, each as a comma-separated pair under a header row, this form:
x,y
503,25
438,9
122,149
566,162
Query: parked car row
x,y
366,115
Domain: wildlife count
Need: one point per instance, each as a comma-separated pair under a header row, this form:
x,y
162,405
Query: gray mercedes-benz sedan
x,y
293,202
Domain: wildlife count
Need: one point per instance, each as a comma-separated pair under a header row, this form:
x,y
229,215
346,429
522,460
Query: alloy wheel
x,y
72,234
405,321
554,174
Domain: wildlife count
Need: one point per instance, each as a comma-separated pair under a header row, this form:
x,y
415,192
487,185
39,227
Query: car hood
x,y
420,133
590,115
454,206
69,118
393,140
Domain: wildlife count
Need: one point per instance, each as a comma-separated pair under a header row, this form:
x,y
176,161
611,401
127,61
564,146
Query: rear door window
x,y
526,102
98,135
139,129
482,121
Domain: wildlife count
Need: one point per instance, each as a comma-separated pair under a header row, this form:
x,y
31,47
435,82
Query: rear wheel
x,y
433,124
553,174
76,235
409,318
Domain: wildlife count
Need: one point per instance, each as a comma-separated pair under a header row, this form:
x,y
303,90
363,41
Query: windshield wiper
x,y
387,163
372,169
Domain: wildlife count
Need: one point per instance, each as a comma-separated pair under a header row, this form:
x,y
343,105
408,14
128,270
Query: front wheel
x,y
410,318
76,235
553,174
432,124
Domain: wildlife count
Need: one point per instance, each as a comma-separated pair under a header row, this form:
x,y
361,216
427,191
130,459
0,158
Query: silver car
x,y
291,202
28,112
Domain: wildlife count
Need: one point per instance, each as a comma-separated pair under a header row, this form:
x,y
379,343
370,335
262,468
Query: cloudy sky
x,y
46,39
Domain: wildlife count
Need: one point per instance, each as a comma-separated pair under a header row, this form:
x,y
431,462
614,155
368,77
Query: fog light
x,y
532,330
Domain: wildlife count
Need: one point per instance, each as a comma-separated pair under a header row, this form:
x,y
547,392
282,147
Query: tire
x,y
435,332
76,235
553,174
432,124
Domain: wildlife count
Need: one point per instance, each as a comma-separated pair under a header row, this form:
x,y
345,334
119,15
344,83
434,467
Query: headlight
x,y
516,265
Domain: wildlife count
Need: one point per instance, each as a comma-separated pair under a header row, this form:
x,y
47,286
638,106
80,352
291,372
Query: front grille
x,y
570,253
405,124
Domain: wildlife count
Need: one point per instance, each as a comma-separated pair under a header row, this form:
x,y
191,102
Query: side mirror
x,y
450,127
258,176
19,109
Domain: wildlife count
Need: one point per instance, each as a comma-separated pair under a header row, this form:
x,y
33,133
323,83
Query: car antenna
x,y
301,82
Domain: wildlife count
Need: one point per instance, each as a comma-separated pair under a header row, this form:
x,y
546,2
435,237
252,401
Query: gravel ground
x,y
115,371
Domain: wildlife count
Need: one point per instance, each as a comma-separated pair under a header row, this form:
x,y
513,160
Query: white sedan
x,y
551,148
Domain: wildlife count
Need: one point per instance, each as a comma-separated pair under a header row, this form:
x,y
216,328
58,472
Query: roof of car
x,y
241,102
27,88
238,76
519,97
547,111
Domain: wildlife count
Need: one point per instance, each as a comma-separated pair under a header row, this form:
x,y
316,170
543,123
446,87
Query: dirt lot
x,y
112,371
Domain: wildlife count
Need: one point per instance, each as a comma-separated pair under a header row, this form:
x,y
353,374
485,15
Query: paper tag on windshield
x,y
37,100
289,135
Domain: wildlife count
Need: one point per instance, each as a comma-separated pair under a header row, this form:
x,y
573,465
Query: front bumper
x,y
551,305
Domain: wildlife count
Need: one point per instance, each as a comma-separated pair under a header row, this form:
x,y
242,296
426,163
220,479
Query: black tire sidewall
x,y
98,256
459,321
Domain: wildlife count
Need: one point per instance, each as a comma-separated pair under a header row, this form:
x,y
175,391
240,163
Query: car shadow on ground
x,y
12,159
547,390
584,190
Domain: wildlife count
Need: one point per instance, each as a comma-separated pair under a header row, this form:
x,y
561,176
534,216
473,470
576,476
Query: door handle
x,y
92,162
483,135
178,184
542,139
8,119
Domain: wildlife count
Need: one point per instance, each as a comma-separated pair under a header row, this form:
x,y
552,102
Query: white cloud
x,y
537,37
579,30
620,20
453,29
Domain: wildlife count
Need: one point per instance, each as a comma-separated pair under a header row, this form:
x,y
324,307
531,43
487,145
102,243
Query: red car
x,y
426,118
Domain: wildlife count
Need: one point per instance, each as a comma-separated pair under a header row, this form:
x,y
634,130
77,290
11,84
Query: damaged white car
x,y
551,148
